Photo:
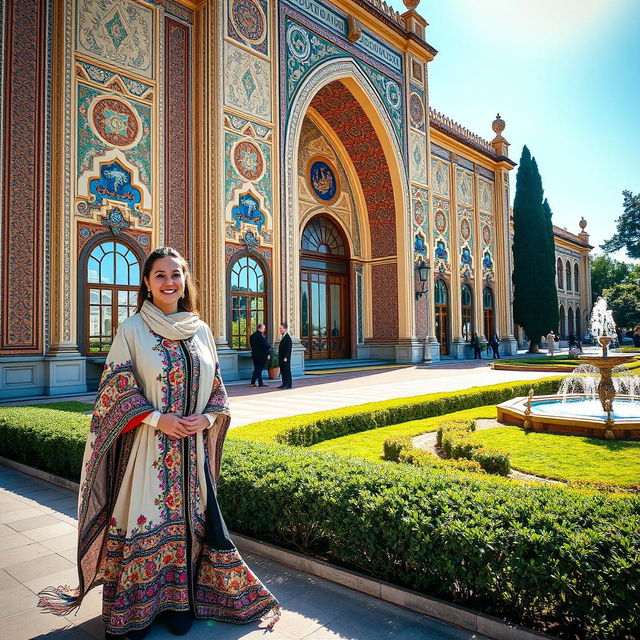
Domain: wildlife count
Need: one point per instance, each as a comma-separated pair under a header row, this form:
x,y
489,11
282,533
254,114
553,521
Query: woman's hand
x,y
195,423
173,425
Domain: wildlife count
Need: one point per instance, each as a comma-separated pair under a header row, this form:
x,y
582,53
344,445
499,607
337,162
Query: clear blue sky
x,y
565,77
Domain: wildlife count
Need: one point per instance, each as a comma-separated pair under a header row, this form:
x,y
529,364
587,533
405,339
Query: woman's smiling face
x,y
166,283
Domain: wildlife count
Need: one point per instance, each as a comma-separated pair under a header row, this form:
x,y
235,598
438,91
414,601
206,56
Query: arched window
x,y
322,236
487,309
248,300
576,278
568,275
560,270
111,289
441,299
572,326
578,324
466,297
563,323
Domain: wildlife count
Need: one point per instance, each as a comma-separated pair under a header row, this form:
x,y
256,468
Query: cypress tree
x,y
535,302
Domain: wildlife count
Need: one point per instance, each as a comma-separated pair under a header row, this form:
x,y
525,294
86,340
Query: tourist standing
x,y
475,343
636,337
259,354
494,343
149,526
551,342
284,356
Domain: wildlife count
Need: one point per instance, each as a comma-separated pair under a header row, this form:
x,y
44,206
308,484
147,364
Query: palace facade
x,y
287,148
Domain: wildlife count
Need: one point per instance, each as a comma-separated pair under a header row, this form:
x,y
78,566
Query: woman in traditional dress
x,y
149,525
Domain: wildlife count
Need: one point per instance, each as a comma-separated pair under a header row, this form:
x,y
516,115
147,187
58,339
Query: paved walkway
x,y
37,549
320,393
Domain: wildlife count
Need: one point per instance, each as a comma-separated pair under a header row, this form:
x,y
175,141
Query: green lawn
x,y
567,457
368,444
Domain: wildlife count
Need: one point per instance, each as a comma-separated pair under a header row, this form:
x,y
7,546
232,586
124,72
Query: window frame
x,y
266,306
468,308
84,286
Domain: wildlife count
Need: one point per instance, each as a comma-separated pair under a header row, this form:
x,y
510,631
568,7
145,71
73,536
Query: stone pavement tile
x,y
13,540
31,623
44,566
22,554
15,600
93,627
7,581
69,541
5,530
70,554
74,633
19,513
303,620
90,608
67,576
50,531
41,520
201,630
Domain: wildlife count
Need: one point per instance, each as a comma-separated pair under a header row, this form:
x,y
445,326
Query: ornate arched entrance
x,y
324,290
344,103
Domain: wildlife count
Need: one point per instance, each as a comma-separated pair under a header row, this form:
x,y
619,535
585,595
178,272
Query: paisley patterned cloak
x,y
150,528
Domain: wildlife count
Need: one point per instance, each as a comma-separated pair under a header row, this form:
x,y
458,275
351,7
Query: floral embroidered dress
x,y
150,528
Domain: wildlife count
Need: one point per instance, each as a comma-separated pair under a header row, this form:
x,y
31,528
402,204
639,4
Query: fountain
x,y
599,398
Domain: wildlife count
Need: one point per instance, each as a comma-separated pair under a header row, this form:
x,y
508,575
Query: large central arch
x,y
348,74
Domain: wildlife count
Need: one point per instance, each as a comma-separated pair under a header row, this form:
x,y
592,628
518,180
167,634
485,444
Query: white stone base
x,y
66,374
22,377
509,346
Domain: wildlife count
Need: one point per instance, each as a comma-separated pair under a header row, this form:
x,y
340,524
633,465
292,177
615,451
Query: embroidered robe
x,y
150,528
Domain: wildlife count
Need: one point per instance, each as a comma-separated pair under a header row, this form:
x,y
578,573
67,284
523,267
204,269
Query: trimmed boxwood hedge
x,y
557,559
456,442
48,436
309,429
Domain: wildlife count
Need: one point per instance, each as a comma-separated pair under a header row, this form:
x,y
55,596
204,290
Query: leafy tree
x,y
606,273
535,303
627,235
624,301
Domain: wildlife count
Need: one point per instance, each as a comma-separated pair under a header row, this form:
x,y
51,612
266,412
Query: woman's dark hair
x,y
190,300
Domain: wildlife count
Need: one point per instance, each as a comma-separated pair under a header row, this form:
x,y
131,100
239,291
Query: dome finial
x,y
411,5
498,125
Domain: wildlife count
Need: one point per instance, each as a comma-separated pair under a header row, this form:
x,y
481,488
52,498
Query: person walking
x,y
494,343
284,356
475,343
551,342
260,348
149,526
636,337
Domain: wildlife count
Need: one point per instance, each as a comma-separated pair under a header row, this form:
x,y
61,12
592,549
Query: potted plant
x,y
273,365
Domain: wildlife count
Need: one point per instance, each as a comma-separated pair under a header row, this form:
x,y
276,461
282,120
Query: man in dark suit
x,y
284,356
259,354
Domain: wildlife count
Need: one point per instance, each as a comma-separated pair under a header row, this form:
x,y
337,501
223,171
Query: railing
x,y
458,130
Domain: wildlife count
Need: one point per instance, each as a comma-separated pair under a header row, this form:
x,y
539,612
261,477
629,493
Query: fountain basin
x,y
575,415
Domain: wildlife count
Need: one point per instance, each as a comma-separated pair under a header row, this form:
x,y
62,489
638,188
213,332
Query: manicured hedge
x,y
556,559
50,437
400,449
456,442
309,429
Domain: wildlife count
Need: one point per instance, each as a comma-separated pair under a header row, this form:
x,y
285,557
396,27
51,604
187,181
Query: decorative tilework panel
x,y
177,138
305,50
485,196
440,177
25,64
441,235
416,108
120,32
464,187
437,150
247,82
343,112
115,81
420,206
384,291
487,235
466,233
417,156
89,145
248,23
246,127
236,177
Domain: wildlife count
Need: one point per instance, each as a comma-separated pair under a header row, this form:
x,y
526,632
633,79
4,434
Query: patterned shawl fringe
x,y
273,615
61,601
